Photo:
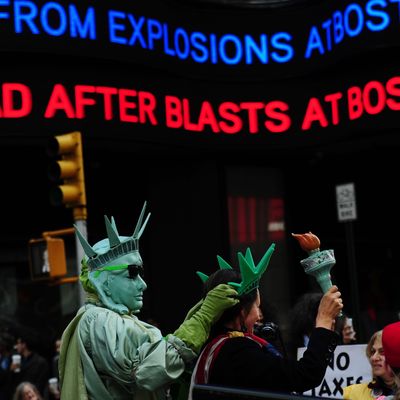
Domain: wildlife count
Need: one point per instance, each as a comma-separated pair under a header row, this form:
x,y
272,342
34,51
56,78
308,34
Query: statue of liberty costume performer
x,y
107,352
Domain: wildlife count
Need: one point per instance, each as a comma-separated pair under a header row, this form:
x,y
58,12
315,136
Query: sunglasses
x,y
133,270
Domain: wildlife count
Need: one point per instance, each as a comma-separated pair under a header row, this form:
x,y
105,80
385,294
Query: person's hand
x,y
55,393
218,300
14,367
194,331
329,308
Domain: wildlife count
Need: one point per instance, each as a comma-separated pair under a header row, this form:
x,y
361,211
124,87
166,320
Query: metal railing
x,y
210,392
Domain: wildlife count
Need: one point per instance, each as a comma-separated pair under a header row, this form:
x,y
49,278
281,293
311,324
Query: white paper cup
x,y
16,359
53,384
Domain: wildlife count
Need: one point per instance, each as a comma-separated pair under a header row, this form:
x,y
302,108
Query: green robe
x,y
105,355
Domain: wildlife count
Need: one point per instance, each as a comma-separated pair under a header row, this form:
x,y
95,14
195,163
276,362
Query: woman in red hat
x,y
383,382
391,347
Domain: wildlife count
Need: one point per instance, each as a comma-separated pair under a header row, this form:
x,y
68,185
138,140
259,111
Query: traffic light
x,y
68,171
47,258
50,255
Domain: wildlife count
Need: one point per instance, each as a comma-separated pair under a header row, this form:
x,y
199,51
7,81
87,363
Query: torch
x,y
318,263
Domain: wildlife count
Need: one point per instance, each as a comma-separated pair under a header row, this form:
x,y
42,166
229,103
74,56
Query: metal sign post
x,y
347,212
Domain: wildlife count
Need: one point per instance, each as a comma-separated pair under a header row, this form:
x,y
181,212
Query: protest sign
x,y
349,365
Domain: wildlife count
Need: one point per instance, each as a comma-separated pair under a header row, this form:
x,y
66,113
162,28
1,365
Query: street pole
x,y
351,257
80,217
347,213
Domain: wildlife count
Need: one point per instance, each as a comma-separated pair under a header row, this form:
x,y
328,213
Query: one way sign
x,y
346,202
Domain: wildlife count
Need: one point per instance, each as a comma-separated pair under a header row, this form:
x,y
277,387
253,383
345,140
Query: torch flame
x,y
308,241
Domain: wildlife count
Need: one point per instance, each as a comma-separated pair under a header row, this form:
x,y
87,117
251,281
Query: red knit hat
x,y
391,344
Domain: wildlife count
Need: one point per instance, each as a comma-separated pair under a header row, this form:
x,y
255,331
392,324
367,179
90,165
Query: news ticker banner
x,y
217,44
185,112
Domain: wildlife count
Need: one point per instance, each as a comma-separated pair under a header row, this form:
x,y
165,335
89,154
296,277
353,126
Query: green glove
x,y
194,331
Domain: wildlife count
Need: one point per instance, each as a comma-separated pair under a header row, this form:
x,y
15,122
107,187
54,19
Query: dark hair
x,y
246,300
28,336
302,319
304,313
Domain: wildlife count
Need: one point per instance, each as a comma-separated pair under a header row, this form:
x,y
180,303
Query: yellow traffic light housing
x,y
47,258
67,172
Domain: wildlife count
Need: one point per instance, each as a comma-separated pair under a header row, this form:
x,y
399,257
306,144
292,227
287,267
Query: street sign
x,y
346,202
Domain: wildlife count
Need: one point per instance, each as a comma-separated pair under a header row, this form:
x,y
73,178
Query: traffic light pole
x,y
80,217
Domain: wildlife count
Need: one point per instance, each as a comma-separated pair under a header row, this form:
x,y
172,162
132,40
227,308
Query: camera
x,y
268,331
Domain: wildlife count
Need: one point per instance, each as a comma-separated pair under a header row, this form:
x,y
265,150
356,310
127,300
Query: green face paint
x,y
125,285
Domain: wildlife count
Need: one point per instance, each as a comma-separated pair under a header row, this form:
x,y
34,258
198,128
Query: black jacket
x,y
34,369
242,362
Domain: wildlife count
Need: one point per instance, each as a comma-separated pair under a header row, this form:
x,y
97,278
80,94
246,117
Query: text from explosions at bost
x,y
127,27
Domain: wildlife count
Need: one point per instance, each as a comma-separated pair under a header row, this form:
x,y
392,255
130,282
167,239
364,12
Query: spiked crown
x,y
251,273
116,247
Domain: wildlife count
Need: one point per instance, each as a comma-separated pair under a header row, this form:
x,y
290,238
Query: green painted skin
x,y
115,288
122,289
